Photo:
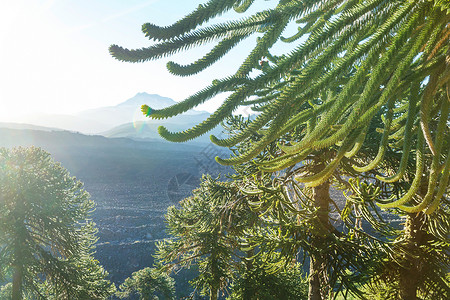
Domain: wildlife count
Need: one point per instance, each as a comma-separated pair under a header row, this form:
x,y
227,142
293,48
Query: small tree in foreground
x,y
148,283
46,240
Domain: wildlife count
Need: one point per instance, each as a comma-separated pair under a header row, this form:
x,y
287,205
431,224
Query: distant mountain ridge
x,y
149,130
153,100
9,125
104,120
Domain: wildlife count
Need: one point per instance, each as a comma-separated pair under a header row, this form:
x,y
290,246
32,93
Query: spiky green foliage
x,y
46,237
293,220
258,283
367,52
208,231
6,291
147,283
205,231
419,261
298,218
303,226
202,14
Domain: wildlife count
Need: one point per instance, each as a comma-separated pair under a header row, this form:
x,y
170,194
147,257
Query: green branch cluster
x,y
46,237
359,60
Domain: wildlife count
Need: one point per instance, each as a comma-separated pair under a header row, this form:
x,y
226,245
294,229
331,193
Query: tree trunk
x,y
248,290
318,276
407,286
18,257
213,292
17,283
411,271
314,280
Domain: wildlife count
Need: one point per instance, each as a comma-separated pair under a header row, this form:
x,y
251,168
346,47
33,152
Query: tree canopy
x,y
359,58
364,94
46,237
148,282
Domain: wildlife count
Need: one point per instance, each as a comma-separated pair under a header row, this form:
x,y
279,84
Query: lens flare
x,y
138,120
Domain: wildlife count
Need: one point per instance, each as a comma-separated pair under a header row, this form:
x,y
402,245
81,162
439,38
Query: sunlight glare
x,y
138,120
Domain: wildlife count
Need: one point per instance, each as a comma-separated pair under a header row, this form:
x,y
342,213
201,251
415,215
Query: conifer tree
x,y
209,230
361,60
205,231
416,261
147,283
257,283
46,238
303,218
419,260
372,54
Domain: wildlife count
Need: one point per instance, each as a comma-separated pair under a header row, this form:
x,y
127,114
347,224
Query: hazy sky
x,y
54,55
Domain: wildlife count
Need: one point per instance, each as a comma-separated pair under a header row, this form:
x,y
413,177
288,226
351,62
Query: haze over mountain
x,y
103,120
133,124
130,110
9,125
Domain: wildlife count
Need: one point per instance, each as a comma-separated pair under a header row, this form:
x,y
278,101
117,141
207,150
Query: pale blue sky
x,y
54,55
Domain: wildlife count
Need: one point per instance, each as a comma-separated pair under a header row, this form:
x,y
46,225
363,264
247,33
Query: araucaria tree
x,y
46,238
356,63
203,231
210,229
392,45
147,283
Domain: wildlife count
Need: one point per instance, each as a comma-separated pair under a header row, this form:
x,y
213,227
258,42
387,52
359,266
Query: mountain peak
x,y
152,100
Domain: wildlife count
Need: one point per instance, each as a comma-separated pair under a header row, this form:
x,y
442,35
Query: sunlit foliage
x,y
377,53
46,237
